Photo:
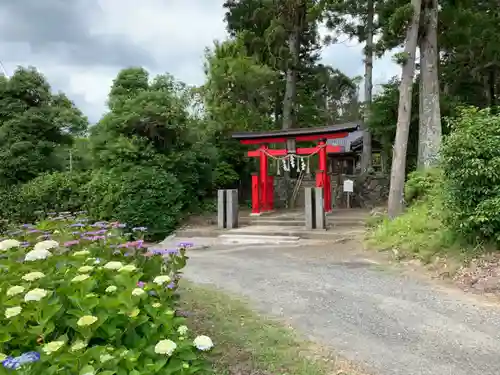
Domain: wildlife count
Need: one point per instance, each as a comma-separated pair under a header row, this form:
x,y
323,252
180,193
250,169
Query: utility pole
x,y
3,69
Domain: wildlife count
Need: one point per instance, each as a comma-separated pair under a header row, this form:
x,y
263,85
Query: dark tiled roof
x,y
290,133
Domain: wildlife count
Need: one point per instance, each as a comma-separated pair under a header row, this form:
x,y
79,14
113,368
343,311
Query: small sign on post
x,y
348,189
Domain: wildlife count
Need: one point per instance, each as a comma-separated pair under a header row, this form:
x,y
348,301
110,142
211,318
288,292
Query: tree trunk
x,y
430,113
366,156
398,170
291,79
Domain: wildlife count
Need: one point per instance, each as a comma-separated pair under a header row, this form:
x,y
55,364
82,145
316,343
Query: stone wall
x,y
370,191
281,186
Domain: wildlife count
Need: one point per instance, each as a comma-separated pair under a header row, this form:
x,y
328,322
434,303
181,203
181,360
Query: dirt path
x,y
390,323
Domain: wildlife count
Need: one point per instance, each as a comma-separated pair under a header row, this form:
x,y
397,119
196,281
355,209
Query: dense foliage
x,y
471,165
79,298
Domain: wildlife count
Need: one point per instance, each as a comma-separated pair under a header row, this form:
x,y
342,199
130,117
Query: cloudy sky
x,y
80,45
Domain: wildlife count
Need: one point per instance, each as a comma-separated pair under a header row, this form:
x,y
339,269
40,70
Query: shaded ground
x,y
391,323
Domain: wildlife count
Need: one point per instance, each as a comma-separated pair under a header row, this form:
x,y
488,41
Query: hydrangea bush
x,y
79,299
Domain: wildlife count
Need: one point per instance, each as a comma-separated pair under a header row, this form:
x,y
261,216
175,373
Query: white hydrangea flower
x,y
40,254
138,292
78,345
46,245
203,343
52,347
15,290
162,279
9,244
11,312
35,295
156,305
105,358
85,269
165,347
86,320
79,278
128,268
113,265
32,276
111,289
182,330
81,253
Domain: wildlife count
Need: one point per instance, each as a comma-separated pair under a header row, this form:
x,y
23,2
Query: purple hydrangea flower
x,y
185,244
156,251
28,357
96,232
141,284
171,285
25,244
71,243
11,363
77,225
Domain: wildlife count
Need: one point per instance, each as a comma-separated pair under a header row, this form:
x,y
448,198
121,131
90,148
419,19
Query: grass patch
x,y
418,233
248,343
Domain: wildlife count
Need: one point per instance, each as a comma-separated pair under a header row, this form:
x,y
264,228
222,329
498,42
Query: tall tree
x,y
396,202
34,124
294,17
282,35
356,19
430,131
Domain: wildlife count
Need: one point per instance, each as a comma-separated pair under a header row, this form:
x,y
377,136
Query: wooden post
x,y
270,192
264,191
326,184
255,194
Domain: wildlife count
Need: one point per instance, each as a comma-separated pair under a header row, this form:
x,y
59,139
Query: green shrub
x,y
421,231
88,302
471,165
422,184
141,196
59,191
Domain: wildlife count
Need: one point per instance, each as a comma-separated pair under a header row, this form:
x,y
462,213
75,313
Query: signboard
x,y
348,186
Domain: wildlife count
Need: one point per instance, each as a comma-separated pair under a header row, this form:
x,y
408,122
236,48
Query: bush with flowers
x,y
79,299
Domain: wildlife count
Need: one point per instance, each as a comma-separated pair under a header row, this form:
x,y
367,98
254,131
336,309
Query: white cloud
x,y
169,36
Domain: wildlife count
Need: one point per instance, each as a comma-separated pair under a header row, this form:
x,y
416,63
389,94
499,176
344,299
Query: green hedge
x,y
471,165
141,196
147,197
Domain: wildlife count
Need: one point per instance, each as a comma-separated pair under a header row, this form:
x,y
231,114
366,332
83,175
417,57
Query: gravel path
x,y
392,324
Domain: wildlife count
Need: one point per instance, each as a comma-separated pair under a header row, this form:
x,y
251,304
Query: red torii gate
x,y
262,183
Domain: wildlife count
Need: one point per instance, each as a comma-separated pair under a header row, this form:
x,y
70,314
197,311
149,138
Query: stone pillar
x,y
309,207
314,208
221,209
232,208
320,219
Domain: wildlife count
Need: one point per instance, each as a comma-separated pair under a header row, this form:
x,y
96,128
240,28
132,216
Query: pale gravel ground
x,y
392,324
